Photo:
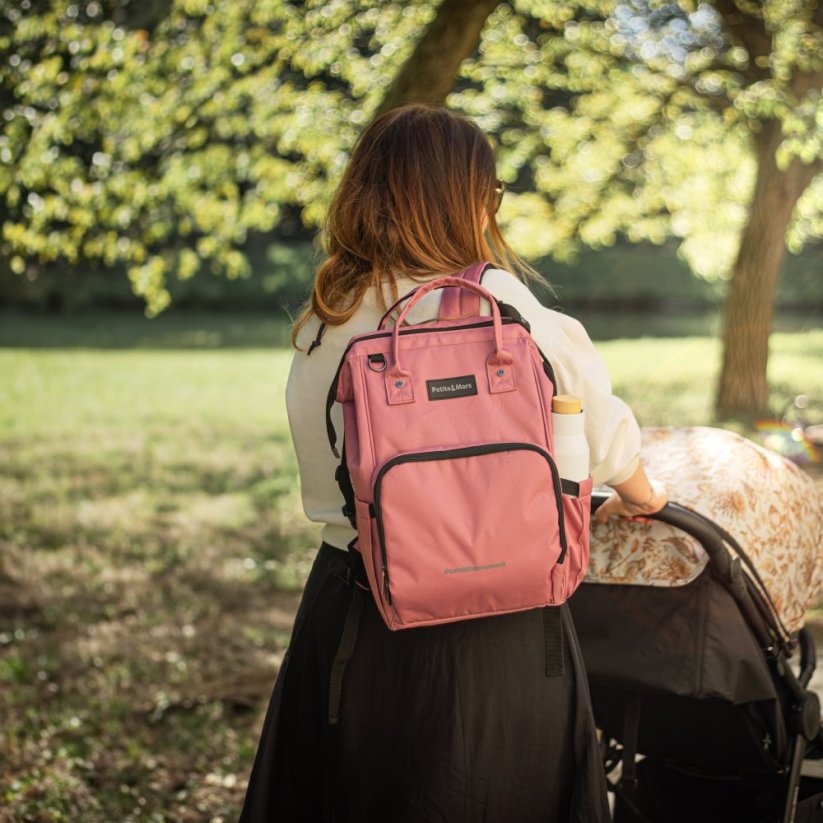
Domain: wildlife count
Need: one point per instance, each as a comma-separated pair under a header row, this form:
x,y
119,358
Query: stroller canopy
x,y
769,505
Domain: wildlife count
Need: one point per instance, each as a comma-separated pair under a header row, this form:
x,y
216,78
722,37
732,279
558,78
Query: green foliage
x,y
152,537
635,119
162,150
632,276
280,279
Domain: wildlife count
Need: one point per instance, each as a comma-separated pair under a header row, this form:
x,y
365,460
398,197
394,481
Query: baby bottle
x,y
571,451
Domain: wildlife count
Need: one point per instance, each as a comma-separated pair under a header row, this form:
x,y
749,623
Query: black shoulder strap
x,y
317,339
507,310
343,478
394,305
330,401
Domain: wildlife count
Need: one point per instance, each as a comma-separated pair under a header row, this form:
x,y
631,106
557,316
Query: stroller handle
x,y
757,609
690,522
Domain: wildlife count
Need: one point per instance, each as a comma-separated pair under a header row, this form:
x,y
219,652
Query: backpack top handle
x,y
455,302
499,364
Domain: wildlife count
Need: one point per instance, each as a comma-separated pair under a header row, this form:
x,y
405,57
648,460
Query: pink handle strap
x,y
455,303
498,365
458,303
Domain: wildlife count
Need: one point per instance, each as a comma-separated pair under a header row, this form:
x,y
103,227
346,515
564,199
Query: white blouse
x,y
611,429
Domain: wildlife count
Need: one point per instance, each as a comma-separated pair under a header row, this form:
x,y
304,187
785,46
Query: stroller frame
x,y
729,564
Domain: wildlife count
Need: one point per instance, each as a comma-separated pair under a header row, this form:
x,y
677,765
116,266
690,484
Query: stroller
x,y
690,640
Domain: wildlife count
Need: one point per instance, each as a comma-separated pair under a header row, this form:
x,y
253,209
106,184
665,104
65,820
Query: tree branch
x,y
750,32
804,82
429,75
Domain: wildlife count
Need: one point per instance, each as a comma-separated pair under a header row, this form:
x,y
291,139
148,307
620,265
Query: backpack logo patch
x,y
451,387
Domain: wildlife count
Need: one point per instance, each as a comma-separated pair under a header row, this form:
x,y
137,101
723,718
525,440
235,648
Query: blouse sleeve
x,y
611,428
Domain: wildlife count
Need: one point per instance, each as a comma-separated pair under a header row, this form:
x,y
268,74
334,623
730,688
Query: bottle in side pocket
x,y
571,450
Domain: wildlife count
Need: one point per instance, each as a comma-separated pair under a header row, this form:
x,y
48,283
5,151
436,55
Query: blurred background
x,y
164,170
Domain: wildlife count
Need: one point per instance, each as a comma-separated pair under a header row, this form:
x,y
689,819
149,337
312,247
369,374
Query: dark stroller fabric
x,y
674,796
702,681
481,720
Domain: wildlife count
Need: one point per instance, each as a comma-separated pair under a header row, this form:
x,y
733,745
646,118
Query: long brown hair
x,y
413,200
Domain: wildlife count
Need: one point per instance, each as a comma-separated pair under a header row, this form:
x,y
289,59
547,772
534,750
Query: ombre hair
x,y
417,199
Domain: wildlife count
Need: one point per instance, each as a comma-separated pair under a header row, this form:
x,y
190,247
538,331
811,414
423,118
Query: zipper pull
x,y
386,590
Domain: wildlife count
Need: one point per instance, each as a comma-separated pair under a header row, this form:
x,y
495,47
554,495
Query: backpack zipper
x,y
451,454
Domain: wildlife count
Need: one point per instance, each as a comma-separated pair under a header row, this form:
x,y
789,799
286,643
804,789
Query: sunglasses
x,y
499,191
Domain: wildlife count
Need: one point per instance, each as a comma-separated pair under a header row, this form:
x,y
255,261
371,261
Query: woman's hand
x,y
636,497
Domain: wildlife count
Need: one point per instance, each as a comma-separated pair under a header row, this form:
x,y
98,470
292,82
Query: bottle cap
x,y
566,404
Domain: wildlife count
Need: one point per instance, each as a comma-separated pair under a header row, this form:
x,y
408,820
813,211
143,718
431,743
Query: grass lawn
x,y
152,547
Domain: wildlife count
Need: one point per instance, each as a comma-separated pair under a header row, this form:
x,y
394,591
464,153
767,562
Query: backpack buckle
x,y
348,512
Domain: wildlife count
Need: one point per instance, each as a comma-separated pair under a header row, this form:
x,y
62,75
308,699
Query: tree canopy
x,y
161,138
162,149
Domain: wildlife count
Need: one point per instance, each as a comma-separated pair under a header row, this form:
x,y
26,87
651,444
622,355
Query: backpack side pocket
x,y
577,514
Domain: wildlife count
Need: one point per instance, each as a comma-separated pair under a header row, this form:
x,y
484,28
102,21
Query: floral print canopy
x,y
772,508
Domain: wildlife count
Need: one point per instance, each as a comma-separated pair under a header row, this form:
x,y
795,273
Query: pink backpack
x,y
447,465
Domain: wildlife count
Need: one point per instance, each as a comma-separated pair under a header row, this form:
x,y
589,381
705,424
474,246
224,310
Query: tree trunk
x,y
749,307
430,72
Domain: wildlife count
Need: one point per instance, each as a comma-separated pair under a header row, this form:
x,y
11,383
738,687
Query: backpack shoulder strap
x,y
458,303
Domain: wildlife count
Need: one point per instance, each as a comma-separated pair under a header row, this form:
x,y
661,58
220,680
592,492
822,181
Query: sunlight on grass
x,y
152,544
69,392
671,381
665,381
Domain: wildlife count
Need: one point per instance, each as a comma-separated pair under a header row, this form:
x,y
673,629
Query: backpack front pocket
x,y
467,532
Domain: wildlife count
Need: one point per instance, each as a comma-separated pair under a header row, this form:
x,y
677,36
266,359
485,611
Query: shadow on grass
x,y
145,606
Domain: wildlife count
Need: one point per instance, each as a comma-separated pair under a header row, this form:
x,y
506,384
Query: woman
x,y
469,721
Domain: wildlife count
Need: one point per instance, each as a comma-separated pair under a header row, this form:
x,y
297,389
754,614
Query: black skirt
x,y
480,720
